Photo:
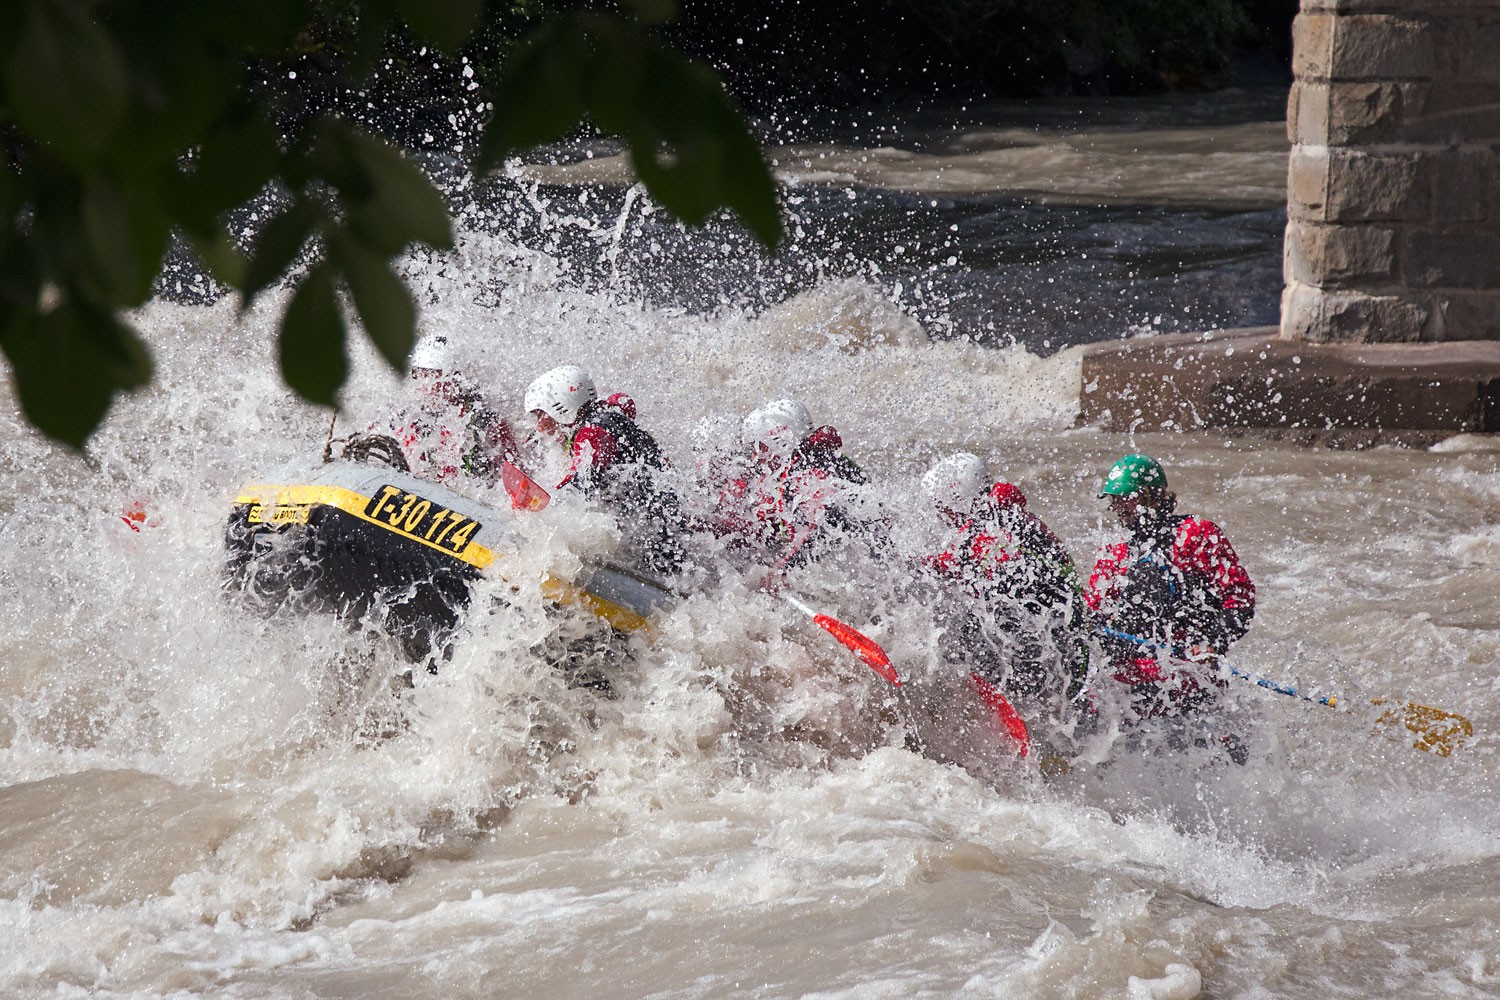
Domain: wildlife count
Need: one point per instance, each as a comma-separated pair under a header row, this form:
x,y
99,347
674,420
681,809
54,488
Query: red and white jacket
x,y
448,434
781,509
1182,587
1007,550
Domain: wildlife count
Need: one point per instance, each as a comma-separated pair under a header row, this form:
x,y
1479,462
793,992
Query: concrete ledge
x,y
1333,395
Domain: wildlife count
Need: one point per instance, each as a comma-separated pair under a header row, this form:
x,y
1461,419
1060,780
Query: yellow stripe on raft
x,y
553,588
562,592
350,502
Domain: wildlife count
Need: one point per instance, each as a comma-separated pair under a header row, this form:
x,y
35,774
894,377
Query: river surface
x,y
199,801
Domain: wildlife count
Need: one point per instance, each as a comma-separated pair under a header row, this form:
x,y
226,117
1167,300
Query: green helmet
x,y
1132,473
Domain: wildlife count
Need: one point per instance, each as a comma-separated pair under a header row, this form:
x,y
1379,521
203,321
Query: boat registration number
x,y
261,513
421,519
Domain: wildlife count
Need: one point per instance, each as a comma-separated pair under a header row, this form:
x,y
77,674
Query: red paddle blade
x,y
525,493
861,645
1005,714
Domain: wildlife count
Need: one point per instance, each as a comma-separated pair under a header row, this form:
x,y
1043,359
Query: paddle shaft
x,y
1438,731
1255,679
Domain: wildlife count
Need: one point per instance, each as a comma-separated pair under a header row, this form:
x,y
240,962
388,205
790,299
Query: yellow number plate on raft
x,y
421,519
296,513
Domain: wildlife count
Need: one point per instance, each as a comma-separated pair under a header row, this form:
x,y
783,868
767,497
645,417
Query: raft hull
x,y
361,542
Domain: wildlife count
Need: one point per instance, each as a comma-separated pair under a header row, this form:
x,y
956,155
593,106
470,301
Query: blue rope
x,y
1330,700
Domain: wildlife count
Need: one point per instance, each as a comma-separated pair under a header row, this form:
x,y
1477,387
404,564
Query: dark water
x,y
990,268
1047,224
1089,236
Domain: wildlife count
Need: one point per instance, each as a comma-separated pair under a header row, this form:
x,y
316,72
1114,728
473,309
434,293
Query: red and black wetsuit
x,y
1176,583
613,460
1023,579
608,452
796,511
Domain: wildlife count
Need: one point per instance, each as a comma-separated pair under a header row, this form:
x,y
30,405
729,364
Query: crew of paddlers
x,y
1154,614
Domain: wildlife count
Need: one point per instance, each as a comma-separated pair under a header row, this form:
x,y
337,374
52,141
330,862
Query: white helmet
x,y
431,352
780,425
955,482
561,393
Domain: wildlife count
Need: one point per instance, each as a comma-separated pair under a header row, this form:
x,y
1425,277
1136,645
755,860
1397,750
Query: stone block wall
x,y
1393,188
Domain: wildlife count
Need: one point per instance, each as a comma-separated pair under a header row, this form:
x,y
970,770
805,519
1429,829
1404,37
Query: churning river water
x,y
195,800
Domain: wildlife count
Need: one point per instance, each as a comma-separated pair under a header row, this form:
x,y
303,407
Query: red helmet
x,y
623,403
1005,495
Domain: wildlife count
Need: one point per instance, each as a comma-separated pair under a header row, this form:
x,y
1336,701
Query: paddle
x,y
1005,713
1439,732
525,493
875,657
857,642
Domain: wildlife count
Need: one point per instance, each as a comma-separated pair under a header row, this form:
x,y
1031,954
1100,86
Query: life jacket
x,y
1169,591
1021,583
449,433
636,446
1180,584
821,450
1152,588
618,450
621,469
1006,551
620,401
796,508
816,496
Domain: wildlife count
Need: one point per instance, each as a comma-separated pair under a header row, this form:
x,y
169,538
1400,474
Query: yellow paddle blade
x,y
1051,764
1437,731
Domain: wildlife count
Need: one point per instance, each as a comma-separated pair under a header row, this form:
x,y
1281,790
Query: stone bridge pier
x,y
1390,315
1393,192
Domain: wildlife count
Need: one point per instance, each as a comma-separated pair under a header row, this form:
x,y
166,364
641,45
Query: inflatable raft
x,y
352,539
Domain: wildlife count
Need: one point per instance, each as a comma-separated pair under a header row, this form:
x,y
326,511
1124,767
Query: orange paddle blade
x,y
1005,713
861,645
525,492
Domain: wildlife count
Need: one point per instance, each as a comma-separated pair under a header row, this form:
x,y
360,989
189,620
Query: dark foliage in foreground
x,y
124,123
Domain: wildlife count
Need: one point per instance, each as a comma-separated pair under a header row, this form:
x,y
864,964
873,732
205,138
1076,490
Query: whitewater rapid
x,y
200,801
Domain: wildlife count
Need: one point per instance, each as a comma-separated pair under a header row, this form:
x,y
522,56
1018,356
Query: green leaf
x,y
370,31
8,201
125,229
445,23
277,246
106,229
691,147
181,82
255,25
385,306
20,272
69,364
313,361
621,57
689,142
221,257
66,79
654,11
401,205
540,96
233,163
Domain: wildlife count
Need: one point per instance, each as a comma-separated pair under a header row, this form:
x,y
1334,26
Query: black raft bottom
x,y
339,564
